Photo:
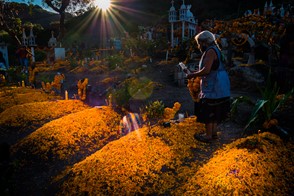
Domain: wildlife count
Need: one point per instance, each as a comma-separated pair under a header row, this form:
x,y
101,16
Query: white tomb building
x,y
183,23
30,40
52,41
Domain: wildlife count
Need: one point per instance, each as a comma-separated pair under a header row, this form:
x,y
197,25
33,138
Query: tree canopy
x,y
9,20
62,6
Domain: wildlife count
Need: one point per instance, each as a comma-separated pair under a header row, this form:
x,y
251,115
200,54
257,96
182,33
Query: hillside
x,y
36,15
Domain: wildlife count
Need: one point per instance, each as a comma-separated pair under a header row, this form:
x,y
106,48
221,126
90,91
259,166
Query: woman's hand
x,y
186,71
189,76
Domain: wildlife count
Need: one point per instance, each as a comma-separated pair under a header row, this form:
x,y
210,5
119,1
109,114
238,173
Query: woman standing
x,y
3,67
214,86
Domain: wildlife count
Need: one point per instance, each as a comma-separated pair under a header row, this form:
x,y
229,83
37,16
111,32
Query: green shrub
x,y
269,104
153,111
115,60
40,55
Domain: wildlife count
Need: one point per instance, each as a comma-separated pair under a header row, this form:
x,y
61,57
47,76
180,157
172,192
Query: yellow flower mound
x,y
98,68
39,112
169,113
19,95
108,80
142,162
81,132
257,165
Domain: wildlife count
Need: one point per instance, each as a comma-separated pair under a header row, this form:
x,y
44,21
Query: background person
x,y
3,67
214,95
23,56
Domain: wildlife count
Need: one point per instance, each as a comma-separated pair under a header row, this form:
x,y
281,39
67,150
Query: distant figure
x,y
3,66
130,122
23,56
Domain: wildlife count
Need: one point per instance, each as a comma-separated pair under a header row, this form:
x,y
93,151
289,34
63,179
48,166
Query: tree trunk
x,y
61,26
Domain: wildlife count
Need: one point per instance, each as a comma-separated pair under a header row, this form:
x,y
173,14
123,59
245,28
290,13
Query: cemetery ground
x,y
70,147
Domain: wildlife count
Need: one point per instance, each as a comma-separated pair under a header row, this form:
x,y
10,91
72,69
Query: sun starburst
x,y
103,4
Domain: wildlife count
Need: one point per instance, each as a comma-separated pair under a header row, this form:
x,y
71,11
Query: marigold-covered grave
x,y
146,161
20,120
10,96
257,165
70,137
160,161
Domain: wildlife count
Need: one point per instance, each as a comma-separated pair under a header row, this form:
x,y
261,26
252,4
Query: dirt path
x,y
169,93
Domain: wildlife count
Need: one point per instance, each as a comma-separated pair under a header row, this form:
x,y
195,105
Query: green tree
x,y
75,7
9,20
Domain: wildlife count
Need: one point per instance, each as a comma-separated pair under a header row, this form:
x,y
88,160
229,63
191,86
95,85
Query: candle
x,y
66,95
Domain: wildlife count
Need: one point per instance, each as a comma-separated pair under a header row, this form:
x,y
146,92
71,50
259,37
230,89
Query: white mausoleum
x,y
183,23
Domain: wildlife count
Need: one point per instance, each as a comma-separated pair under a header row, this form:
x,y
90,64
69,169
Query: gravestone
x,y
59,53
179,76
117,44
52,41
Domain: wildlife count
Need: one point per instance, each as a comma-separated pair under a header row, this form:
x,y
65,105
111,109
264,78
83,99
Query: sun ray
x,y
101,25
84,24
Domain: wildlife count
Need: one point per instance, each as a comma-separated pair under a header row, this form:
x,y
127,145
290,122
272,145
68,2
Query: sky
x,y
35,2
